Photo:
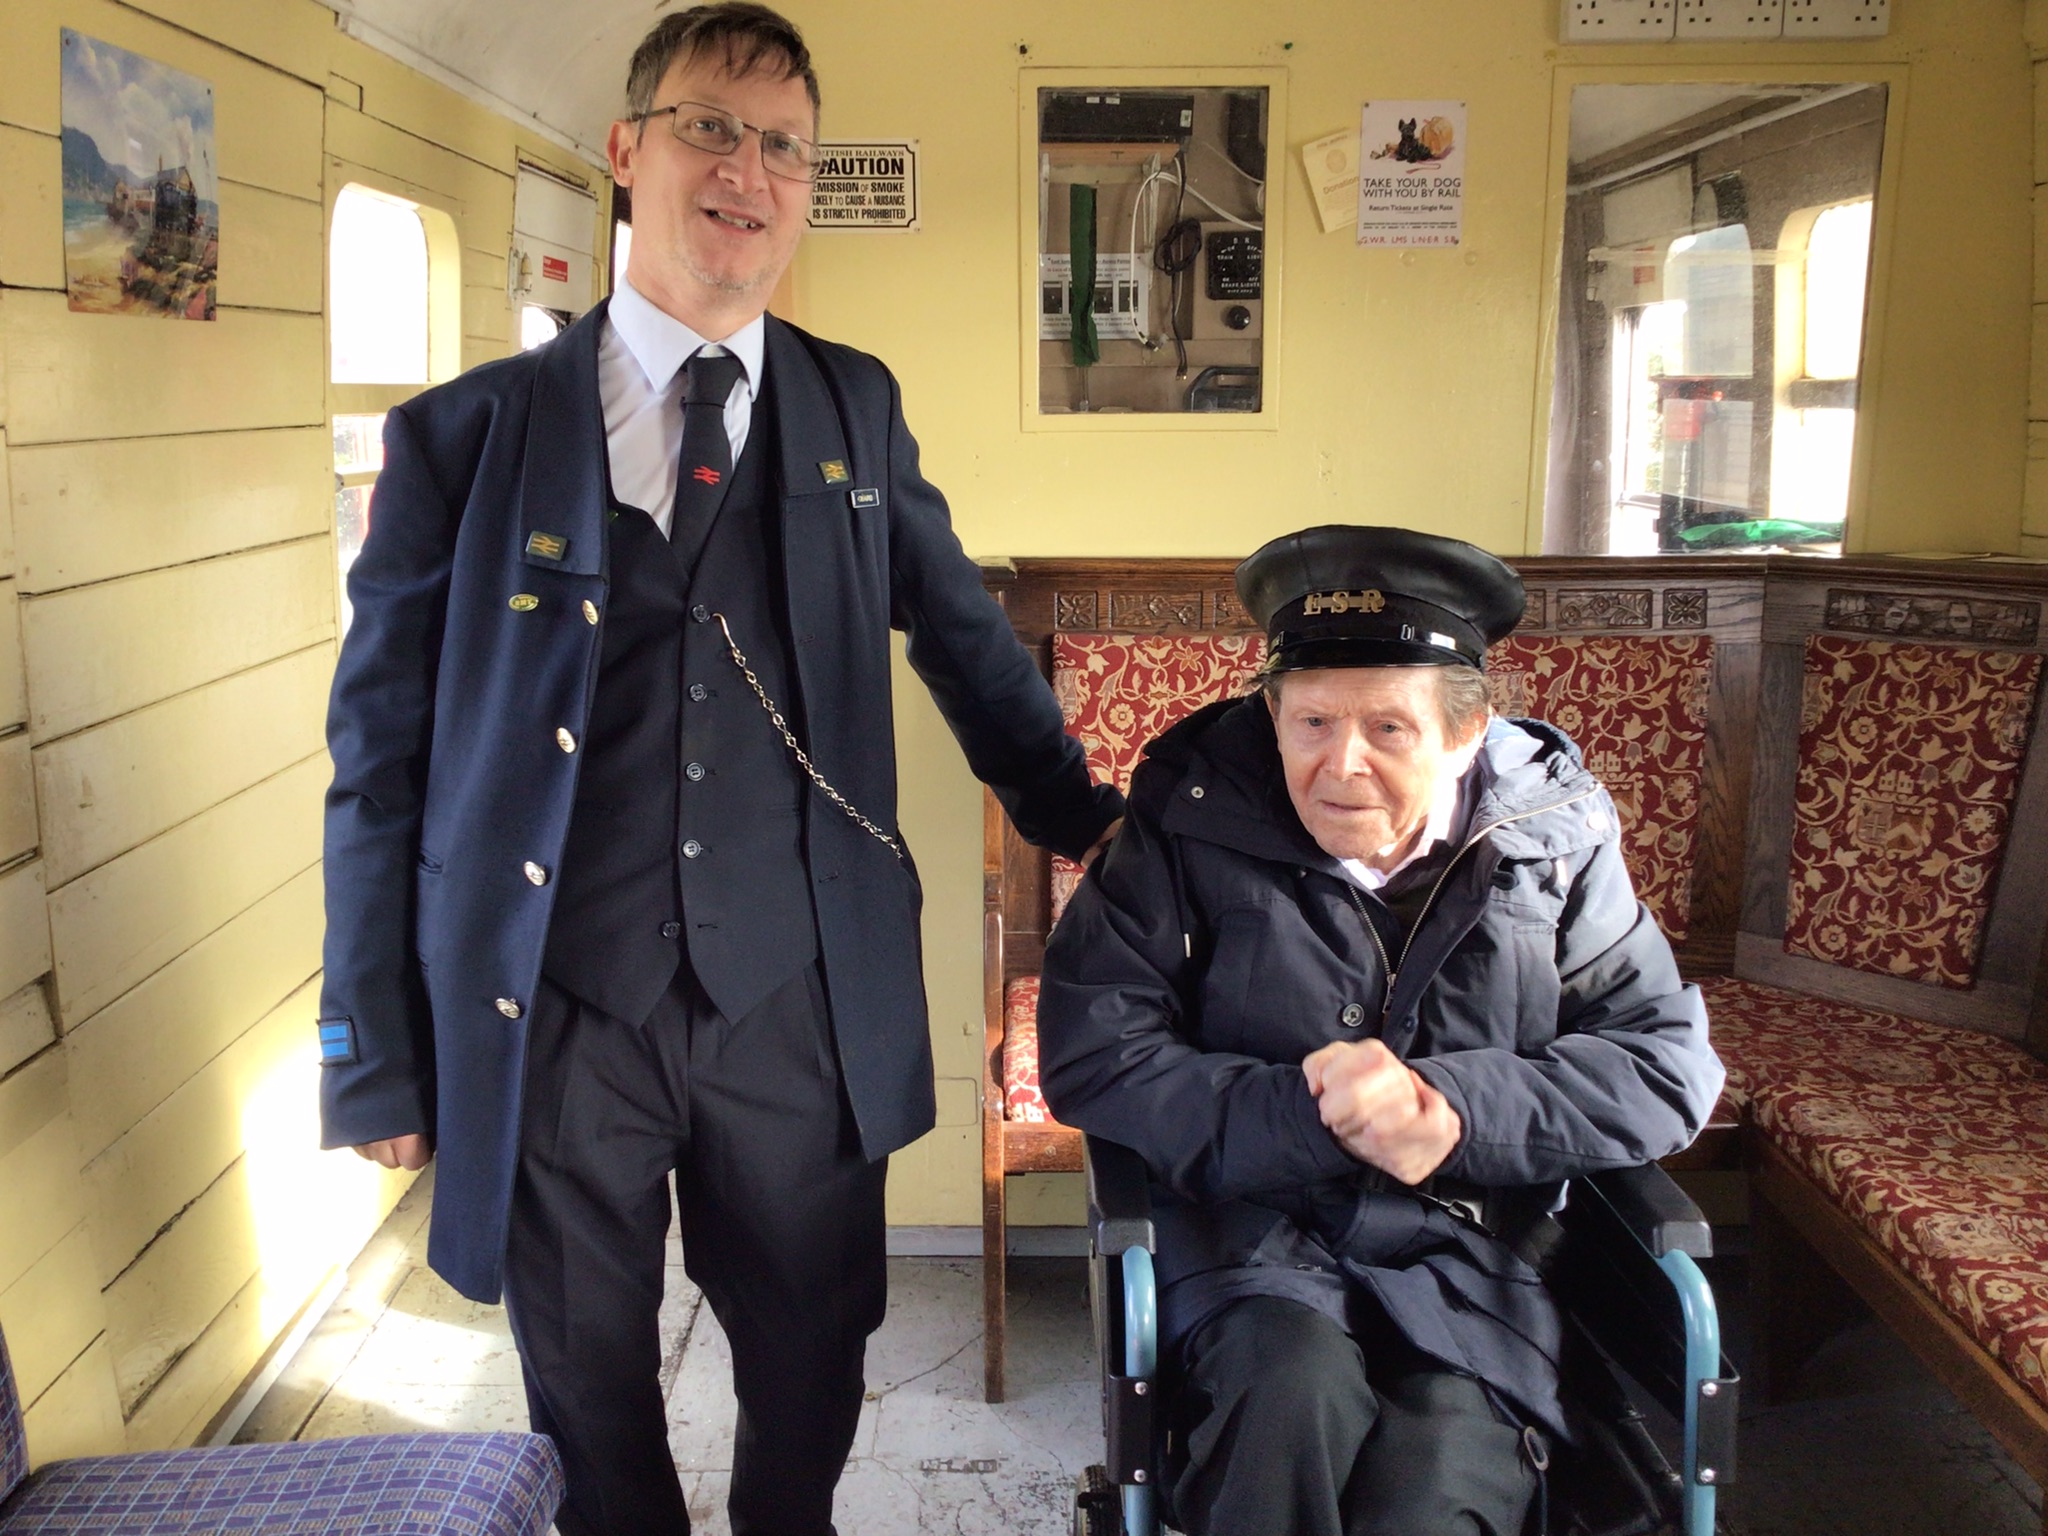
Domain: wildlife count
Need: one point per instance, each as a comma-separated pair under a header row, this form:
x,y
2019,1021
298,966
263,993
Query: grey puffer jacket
x,y
1215,945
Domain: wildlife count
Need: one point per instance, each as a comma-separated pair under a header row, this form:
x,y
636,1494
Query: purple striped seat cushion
x,y
13,1440
394,1485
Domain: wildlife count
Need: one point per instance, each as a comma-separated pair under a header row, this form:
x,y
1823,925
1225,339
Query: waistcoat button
x,y
535,874
694,772
671,930
564,740
509,1006
700,613
589,611
1352,1016
692,849
698,692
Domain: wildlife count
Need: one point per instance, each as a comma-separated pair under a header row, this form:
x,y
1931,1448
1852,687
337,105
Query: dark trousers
x,y
1292,1431
782,1230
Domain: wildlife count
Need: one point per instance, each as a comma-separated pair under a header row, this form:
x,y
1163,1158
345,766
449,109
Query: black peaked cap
x,y
1345,595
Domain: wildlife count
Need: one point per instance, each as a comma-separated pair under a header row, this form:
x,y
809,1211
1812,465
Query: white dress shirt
x,y
640,362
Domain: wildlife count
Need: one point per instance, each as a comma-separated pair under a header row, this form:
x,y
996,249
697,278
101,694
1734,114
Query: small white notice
x,y
869,185
1411,173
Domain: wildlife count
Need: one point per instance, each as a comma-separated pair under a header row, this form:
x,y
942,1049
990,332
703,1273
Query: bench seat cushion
x,y
1022,1099
1932,1139
448,1484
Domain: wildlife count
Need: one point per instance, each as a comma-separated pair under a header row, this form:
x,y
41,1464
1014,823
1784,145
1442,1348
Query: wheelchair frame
x,y
1627,1273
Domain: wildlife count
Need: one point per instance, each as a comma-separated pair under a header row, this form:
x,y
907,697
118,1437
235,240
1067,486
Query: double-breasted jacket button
x,y
589,611
564,739
694,773
522,602
699,693
671,930
536,874
1196,793
692,849
700,613
509,1006
1352,1016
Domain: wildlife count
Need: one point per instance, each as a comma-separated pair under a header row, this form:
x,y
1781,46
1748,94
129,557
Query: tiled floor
x,y
1870,1445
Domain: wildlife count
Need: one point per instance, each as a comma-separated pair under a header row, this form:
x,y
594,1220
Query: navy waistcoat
x,y
687,833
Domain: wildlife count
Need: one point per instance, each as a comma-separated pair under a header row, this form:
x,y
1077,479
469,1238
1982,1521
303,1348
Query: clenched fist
x,y
1380,1111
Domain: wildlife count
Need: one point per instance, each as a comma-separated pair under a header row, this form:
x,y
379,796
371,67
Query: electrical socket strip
x,y
1837,18
1737,21
1616,21
1715,21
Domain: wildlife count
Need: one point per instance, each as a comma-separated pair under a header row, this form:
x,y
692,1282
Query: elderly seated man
x,y
1364,981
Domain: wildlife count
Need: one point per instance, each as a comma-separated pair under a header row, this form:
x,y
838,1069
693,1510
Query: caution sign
x,y
866,186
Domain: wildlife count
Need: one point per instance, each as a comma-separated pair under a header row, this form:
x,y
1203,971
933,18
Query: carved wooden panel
x,y
1610,609
1137,611
1685,607
1935,617
1073,610
1535,609
1230,613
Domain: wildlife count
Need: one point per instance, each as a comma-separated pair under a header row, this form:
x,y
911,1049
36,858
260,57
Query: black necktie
x,y
706,463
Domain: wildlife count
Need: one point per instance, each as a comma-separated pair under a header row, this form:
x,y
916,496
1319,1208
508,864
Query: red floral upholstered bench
x,y
1637,704
1881,1026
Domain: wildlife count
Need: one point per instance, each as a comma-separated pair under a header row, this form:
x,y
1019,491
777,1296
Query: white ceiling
x,y
561,66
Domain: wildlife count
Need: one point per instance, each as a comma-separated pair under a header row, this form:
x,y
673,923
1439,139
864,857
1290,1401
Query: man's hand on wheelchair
x,y
1380,1111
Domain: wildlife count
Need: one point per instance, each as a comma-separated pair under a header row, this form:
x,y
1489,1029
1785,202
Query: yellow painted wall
x,y
1413,385
167,633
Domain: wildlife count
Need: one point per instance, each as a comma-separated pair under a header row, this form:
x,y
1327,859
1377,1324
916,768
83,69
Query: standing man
x,y
614,885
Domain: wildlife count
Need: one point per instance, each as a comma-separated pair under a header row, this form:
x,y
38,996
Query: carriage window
x,y
1710,324
358,455
377,289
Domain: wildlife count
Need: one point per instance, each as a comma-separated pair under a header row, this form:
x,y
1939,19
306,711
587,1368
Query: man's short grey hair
x,y
746,37
1462,700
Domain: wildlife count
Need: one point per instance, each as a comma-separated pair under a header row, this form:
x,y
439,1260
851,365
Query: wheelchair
x,y
1625,1274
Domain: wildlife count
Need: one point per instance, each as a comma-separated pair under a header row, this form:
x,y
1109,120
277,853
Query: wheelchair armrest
x,y
1119,1197
1652,1206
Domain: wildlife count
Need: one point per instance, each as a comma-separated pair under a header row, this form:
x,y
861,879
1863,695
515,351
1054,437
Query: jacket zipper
x,y
1472,840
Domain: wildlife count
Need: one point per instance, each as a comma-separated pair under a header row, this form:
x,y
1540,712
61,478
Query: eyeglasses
x,y
718,132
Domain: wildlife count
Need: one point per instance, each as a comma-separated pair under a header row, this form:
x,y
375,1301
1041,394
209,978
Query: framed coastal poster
x,y
141,195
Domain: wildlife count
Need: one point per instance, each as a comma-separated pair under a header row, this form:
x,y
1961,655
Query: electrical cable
x,y
1257,181
1175,256
1138,200
1228,218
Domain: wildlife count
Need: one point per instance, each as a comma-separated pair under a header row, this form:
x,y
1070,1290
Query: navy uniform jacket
x,y
457,717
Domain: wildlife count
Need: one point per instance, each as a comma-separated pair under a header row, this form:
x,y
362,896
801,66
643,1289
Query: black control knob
x,y
1237,317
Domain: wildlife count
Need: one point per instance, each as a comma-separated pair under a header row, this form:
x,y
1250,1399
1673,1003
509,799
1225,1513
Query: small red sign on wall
x,y
554,269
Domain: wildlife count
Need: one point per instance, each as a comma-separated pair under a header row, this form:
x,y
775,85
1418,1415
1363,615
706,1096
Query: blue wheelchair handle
x,y
1141,1362
1702,1363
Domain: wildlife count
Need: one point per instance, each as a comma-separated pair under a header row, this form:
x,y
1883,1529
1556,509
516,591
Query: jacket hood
x,y
1216,776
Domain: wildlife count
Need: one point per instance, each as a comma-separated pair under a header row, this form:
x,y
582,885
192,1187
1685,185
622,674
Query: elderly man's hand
x,y
1380,1111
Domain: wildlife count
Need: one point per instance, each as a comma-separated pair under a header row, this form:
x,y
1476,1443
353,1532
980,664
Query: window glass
x,y
538,325
1159,195
1837,263
377,289
358,456
1710,320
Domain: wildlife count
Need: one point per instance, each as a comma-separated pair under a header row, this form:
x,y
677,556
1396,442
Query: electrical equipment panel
x,y
1163,193
1116,117
1229,283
